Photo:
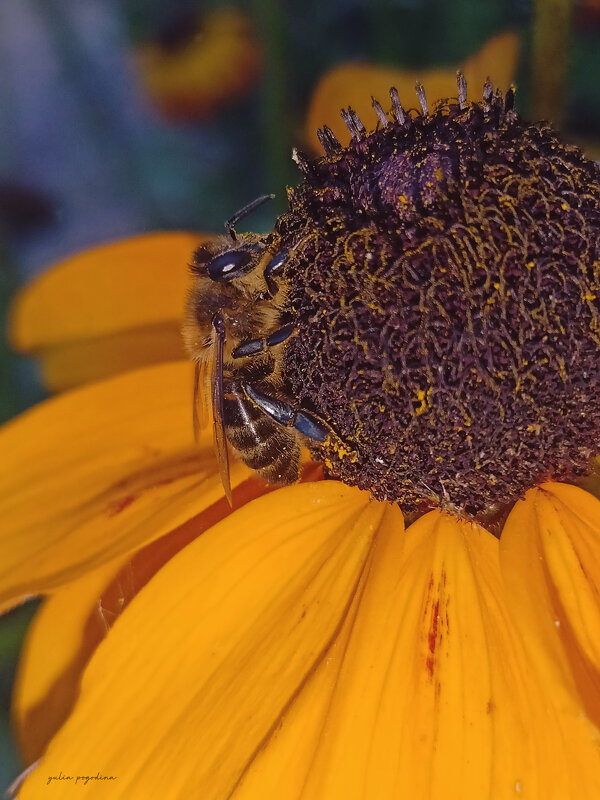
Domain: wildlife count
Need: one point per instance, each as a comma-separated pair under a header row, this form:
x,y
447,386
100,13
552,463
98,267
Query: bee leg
x,y
274,268
253,346
303,421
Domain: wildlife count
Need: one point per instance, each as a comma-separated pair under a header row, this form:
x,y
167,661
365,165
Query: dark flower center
x,y
445,276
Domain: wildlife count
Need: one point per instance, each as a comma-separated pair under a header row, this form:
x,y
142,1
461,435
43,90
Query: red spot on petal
x,y
120,505
429,665
432,637
164,481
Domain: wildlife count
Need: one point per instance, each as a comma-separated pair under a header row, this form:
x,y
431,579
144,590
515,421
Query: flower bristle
x,y
445,278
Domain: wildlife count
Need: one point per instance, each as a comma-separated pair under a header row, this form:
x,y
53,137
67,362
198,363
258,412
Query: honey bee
x,y
235,330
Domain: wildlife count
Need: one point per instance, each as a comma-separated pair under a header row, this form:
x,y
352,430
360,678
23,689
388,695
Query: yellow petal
x,y
75,618
115,287
66,366
98,472
355,84
281,767
550,550
200,668
58,645
430,694
113,308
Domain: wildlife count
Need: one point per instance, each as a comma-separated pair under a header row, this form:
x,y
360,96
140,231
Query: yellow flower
x,y
302,645
357,82
107,310
214,58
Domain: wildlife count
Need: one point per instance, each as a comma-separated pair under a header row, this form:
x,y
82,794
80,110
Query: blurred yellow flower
x,y
189,77
302,645
358,82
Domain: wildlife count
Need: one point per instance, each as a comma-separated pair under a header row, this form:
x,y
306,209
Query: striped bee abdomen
x,y
262,443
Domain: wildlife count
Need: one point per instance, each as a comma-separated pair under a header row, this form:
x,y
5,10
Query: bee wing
x,y
202,390
217,404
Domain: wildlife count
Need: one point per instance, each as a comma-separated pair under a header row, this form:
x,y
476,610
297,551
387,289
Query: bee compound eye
x,y
229,265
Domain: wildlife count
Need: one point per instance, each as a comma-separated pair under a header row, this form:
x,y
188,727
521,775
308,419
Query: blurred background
x,y
119,118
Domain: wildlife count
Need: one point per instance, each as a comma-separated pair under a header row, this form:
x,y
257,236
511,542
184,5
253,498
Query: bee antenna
x,y
244,212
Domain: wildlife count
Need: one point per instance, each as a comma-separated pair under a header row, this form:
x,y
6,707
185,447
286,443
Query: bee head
x,y
226,282
226,261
